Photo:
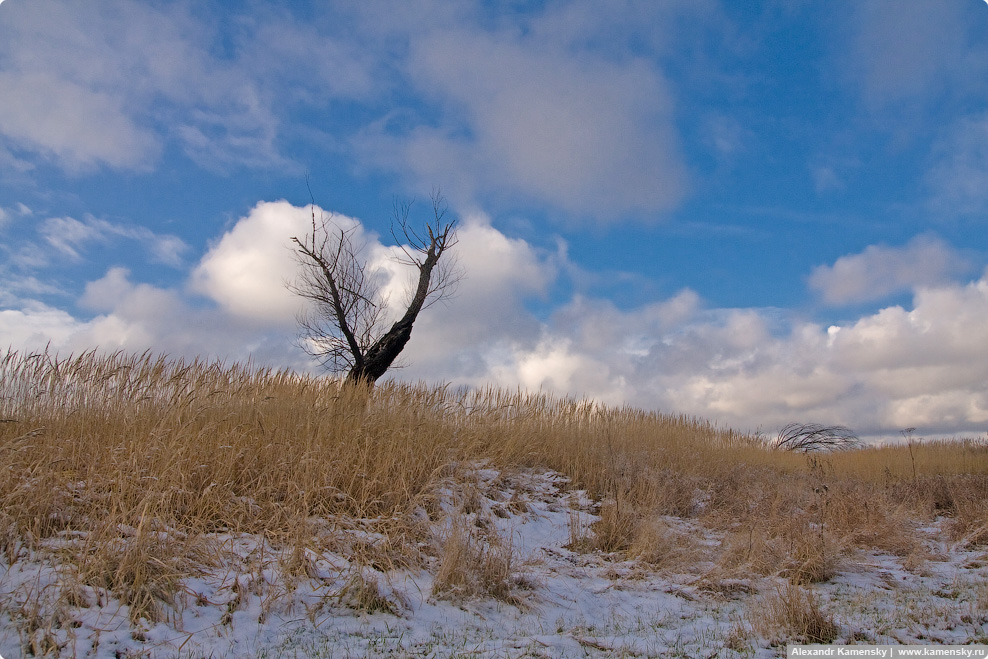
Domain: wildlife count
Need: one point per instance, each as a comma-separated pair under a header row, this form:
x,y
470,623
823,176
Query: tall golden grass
x,y
138,456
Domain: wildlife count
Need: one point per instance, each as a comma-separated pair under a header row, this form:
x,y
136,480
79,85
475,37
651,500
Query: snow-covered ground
x,y
563,603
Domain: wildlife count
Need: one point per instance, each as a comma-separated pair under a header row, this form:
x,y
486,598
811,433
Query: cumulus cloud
x,y
61,63
105,293
918,359
880,271
245,273
74,125
574,133
888,370
36,325
136,317
486,318
560,112
247,270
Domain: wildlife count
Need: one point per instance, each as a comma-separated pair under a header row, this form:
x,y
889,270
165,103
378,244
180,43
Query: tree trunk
x,y
379,357
383,353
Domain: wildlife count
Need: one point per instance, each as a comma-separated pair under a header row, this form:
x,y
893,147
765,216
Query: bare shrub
x,y
141,567
969,523
580,537
738,638
812,437
658,544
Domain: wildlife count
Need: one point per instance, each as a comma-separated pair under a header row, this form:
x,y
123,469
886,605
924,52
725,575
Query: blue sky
x,y
756,212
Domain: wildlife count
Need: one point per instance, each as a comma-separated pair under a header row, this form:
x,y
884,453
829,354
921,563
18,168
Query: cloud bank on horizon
x,y
754,214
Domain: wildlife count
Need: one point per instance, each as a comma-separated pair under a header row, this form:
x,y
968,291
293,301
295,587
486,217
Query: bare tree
x,y
809,437
345,327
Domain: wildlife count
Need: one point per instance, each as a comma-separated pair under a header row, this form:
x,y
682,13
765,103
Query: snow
x,y
564,604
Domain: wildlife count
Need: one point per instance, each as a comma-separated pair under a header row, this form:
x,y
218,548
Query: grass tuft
x,y
793,613
473,564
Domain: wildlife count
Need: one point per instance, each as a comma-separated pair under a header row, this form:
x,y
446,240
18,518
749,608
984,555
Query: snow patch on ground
x,y
564,603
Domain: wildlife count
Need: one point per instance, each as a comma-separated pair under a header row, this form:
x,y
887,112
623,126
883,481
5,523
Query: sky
x,y
758,213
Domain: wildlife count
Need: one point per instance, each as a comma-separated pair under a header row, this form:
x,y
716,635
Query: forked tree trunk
x,y
379,357
348,310
382,354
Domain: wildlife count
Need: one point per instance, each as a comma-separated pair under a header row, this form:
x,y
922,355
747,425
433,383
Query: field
x,y
158,508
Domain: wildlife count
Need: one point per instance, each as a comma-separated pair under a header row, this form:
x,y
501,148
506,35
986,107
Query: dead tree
x,y
345,326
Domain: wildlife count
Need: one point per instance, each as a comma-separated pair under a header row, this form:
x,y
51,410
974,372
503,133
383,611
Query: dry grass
x,y
475,564
363,592
124,464
793,614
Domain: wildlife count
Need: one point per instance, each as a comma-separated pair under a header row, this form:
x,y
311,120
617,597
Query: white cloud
x,y
69,236
104,294
75,125
568,126
826,179
247,271
914,51
747,368
245,274
725,135
959,178
486,317
7,215
564,114
106,82
136,317
70,81
880,271
36,325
